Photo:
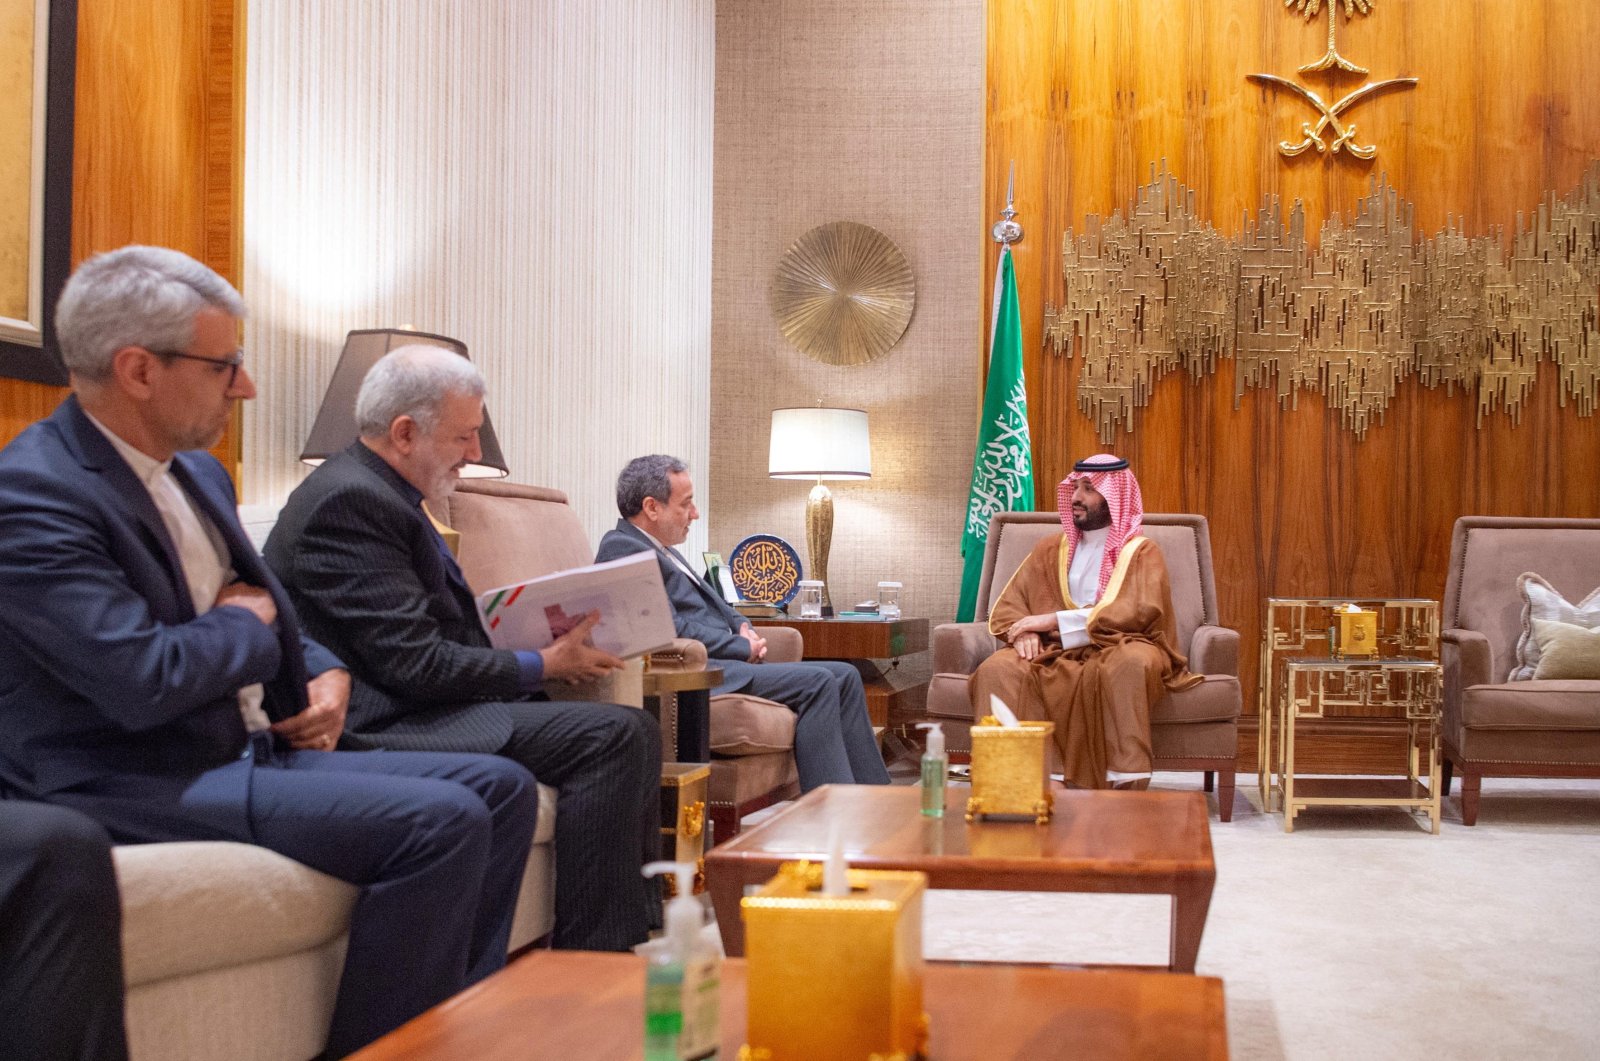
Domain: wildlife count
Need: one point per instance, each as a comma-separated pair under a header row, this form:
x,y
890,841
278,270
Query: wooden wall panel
x,y
156,151
1086,94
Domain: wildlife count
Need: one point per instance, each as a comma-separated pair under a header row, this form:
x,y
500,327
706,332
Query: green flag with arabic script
x,y
1002,467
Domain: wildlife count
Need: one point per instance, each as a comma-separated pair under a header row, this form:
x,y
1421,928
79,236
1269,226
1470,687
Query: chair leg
x,y
1210,779
1224,795
1470,783
1446,775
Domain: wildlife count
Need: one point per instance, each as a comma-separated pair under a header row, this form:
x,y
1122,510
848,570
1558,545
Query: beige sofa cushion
x,y
205,904
748,725
1566,651
1542,602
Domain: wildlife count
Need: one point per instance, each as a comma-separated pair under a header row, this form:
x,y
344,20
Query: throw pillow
x,y
1566,651
1542,602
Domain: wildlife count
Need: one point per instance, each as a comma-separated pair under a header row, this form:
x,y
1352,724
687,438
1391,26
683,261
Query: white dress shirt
x,y
202,553
1083,583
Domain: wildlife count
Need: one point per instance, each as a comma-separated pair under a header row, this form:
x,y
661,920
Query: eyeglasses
x,y
233,361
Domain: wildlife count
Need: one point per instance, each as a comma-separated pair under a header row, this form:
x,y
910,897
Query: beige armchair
x,y
1197,729
1496,728
511,532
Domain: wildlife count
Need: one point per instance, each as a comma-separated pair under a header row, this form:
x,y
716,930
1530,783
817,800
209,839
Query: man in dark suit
x,y
374,581
155,674
60,938
833,740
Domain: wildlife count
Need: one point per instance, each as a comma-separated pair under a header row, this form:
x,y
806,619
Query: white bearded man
x,y
1089,631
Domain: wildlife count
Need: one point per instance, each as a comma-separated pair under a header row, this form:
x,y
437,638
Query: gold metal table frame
x,y
1408,628
1403,690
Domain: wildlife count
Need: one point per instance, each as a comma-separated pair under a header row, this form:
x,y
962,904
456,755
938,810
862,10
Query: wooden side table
x,y
1405,691
864,642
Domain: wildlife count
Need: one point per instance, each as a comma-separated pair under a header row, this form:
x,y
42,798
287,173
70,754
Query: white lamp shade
x,y
819,444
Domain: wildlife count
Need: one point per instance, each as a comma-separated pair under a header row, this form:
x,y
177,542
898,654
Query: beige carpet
x,y
1359,935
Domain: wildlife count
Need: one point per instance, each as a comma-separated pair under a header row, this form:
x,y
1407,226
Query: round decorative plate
x,y
843,293
766,569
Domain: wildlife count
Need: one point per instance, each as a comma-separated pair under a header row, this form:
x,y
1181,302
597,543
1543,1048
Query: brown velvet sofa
x,y
1197,729
1496,728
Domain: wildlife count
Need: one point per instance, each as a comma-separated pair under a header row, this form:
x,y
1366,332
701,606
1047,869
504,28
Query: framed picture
x,y
720,577
38,60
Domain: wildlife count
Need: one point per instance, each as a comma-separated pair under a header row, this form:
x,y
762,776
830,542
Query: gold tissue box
x,y
1358,633
1009,771
835,976
683,819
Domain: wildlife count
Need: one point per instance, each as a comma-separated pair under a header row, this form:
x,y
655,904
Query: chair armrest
x,y
784,644
958,648
683,654
1465,656
1214,650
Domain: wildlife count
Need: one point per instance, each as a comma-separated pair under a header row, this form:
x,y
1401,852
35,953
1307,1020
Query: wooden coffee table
x,y
1141,842
576,1004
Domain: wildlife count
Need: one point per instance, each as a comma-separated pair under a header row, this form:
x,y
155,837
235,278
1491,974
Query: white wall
x,y
532,177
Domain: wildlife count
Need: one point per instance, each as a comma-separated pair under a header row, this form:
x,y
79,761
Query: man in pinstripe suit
x,y
372,579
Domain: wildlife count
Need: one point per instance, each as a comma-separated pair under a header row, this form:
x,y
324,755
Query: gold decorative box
x,y
835,976
1358,633
1010,776
683,819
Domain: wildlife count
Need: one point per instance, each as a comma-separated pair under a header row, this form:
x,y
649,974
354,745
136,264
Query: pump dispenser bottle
x,y
935,769
682,978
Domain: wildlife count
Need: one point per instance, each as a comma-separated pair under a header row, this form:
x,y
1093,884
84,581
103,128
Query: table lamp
x,y
335,426
819,444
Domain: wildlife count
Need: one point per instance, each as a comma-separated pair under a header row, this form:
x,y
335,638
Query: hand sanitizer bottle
x,y
682,978
935,768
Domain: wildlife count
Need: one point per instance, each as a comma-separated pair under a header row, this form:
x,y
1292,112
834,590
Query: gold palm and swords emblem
x,y
1343,130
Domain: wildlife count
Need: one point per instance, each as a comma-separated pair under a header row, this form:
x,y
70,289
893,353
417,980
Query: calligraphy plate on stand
x,y
765,569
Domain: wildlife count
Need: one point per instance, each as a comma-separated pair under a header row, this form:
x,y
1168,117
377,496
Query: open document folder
x,y
635,617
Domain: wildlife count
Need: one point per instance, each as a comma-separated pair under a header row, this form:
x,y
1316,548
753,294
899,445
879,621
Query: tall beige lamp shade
x,y
819,444
335,426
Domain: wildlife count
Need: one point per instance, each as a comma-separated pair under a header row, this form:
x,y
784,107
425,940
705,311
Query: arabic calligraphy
x,y
764,571
1003,470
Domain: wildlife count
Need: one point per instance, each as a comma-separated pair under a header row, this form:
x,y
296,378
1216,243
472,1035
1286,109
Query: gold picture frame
x,y
38,60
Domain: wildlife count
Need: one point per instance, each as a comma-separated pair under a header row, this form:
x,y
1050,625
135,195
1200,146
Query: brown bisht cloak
x,y
1105,688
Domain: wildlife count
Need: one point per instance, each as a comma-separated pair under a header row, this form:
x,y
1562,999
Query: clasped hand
x,y
571,658
1023,634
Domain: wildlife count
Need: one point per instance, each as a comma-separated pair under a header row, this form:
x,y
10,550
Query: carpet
x,y
1359,935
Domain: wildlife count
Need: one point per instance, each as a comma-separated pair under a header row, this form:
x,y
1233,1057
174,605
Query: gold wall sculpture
x,y
1353,315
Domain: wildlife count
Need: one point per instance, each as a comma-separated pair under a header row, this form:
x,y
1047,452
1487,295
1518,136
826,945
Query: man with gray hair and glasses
x,y
833,739
374,581
156,677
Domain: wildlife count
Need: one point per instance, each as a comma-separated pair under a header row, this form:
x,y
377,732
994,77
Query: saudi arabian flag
x,y
1002,468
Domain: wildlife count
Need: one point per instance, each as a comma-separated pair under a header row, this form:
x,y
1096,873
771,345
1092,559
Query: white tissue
x,y
1002,713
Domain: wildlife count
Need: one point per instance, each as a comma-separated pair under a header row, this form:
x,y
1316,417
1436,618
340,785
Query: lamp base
x,y
819,535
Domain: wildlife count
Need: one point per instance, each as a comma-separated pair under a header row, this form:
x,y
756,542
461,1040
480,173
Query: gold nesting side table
x,y
1408,628
1404,691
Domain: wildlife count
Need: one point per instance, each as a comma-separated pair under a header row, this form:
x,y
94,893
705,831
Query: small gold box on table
x,y
835,976
1358,633
1009,775
683,820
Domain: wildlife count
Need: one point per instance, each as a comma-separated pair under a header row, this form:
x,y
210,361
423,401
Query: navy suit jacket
x,y
106,672
364,567
698,611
